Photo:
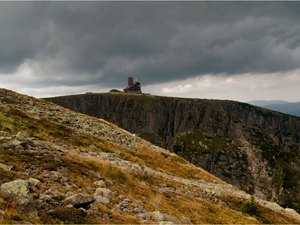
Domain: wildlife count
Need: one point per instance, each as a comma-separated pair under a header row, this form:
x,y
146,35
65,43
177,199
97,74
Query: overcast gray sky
x,y
223,50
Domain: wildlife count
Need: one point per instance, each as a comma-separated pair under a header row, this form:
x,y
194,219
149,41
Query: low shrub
x,y
250,207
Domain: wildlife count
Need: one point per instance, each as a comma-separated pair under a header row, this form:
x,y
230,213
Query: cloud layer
x,y
96,45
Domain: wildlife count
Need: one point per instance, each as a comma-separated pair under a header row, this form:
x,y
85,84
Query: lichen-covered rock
x,y
34,182
79,200
5,167
159,217
19,191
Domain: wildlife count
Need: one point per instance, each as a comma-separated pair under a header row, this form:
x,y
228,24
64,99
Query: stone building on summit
x,y
133,87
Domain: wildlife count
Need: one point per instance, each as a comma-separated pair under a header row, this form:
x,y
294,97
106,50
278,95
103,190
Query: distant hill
x,y
253,148
292,108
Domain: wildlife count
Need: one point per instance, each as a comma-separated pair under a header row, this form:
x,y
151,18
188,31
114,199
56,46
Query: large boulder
x,y
18,190
79,200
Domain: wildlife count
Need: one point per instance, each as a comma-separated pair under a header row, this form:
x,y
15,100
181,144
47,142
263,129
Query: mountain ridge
x,y
292,108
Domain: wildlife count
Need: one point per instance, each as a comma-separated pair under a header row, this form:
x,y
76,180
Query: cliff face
x,y
253,148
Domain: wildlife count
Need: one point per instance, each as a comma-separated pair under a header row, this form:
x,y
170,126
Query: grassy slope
x,y
77,162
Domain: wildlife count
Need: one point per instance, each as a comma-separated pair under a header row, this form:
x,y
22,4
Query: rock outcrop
x,y
250,147
19,191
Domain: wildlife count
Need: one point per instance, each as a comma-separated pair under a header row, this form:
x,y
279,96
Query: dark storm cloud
x,y
81,43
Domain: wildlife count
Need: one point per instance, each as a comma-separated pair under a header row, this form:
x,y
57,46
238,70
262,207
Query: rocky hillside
x,y
59,166
255,149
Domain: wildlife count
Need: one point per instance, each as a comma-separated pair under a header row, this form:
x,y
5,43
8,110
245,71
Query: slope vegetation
x,y
255,149
59,166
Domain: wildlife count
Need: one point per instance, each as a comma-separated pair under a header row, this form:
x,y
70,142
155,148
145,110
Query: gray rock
x,y
19,191
4,108
101,200
157,216
45,198
22,135
5,167
4,134
171,219
55,175
79,200
186,220
104,192
166,189
11,144
100,183
34,182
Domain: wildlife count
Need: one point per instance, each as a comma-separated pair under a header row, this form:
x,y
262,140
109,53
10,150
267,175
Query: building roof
x,y
131,85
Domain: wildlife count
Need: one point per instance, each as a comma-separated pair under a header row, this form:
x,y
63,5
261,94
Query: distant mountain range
x,y
292,108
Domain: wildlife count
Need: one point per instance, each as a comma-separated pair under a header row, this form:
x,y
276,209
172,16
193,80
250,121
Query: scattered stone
x,y
45,198
22,136
34,182
104,192
100,183
101,200
79,200
55,175
186,220
11,144
157,216
144,215
5,167
19,191
94,209
166,189
4,134
4,108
